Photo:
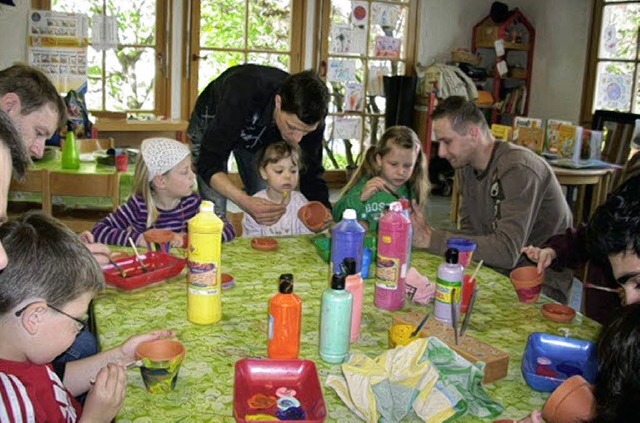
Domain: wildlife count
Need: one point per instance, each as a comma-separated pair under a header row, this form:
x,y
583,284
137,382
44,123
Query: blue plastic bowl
x,y
575,352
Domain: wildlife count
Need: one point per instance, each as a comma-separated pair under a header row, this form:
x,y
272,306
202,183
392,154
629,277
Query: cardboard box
x,y
497,361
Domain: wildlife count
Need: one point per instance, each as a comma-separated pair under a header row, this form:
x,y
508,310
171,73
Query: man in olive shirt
x,y
510,196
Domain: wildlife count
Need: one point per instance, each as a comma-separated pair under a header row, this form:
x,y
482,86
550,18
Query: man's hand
x,y
421,231
100,251
265,212
107,394
542,256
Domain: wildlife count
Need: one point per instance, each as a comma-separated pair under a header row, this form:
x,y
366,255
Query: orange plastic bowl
x,y
264,244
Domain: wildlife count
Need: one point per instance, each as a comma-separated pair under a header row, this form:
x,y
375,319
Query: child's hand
x,y
542,256
372,186
107,394
178,240
99,251
128,348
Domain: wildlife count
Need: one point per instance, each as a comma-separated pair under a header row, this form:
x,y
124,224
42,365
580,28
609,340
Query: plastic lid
x,y
395,206
451,256
349,214
349,266
462,244
337,281
286,283
206,206
405,203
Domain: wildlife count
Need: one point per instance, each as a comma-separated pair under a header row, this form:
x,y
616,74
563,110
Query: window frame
x,y
591,71
191,54
163,54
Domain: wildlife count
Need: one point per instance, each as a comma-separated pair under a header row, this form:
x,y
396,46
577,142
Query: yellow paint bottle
x,y
204,295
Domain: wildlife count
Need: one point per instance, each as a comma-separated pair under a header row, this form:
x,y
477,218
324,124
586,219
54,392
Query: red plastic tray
x,y
256,376
160,266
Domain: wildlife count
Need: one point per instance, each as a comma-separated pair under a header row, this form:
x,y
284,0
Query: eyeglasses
x,y
80,324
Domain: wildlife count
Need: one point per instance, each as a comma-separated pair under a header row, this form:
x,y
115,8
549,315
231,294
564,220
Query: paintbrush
x,y
391,191
118,267
603,288
134,364
419,328
135,250
475,272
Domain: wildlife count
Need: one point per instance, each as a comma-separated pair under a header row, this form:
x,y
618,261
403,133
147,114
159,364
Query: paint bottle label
x,y
387,272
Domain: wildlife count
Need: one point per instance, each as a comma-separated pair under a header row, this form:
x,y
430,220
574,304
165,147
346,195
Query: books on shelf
x,y
501,132
553,129
529,132
591,144
570,142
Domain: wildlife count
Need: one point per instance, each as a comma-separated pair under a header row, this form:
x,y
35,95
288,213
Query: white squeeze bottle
x,y
450,275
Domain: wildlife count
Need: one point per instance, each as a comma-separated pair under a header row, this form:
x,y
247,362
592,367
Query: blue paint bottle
x,y
347,240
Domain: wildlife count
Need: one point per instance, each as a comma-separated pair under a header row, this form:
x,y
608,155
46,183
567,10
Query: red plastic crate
x,y
265,376
161,266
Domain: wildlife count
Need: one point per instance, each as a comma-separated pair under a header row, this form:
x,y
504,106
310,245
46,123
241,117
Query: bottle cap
x,y
286,283
405,203
451,256
395,206
337,282
349,266
206,206
349,214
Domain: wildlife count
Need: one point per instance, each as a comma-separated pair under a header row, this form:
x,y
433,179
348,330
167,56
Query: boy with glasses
x,y
45,291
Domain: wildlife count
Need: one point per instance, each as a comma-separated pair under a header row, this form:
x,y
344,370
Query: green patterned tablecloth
x,y
205,385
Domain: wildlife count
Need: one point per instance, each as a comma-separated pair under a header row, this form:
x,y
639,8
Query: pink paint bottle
x,y
391,264
355,285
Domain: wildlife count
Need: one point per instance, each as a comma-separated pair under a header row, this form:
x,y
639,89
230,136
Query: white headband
x,y
162,154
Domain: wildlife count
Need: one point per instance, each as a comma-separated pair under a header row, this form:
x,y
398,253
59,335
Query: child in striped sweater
x,y
163,197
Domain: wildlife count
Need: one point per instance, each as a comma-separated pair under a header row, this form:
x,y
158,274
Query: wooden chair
x,y
617,145
83,185
35,181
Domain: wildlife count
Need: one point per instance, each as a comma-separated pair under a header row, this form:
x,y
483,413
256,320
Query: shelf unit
x,y
513,89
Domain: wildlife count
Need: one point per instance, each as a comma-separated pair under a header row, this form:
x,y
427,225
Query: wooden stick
x,y
603,288
135,250
475,272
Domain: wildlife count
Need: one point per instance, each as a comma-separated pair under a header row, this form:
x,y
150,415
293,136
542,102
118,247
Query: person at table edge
x,y
249,106
510,195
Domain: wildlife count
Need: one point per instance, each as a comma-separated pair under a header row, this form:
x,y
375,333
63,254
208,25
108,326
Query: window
x,y
613,74
133,78
227,33
361,42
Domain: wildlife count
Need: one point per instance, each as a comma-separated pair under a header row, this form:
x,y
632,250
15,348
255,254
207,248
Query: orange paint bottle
x,y
285,321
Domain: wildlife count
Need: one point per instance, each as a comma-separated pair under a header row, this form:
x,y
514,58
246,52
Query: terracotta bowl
x,y
313,215
573,401
228,281
159,236
264,244
558,313
527,282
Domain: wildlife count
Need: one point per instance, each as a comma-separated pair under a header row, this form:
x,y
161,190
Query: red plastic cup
x,y
468,286
122,162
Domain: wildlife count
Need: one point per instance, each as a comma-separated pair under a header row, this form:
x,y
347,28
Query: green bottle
x,y
70,153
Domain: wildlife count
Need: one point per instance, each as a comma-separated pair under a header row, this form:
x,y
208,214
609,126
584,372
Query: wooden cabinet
x,y
512,87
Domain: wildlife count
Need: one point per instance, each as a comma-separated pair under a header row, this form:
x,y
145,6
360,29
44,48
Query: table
x,y
599,179
205,385
54,164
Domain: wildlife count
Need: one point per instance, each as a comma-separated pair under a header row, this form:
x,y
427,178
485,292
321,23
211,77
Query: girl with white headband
x,y
163,197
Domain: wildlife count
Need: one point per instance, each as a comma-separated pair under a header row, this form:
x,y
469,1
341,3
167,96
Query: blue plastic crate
x,y
576,352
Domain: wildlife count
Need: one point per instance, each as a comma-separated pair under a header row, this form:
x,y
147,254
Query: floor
x,y
438,215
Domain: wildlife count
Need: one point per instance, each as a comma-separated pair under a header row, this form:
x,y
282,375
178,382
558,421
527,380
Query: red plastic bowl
x,y
255,376
160,266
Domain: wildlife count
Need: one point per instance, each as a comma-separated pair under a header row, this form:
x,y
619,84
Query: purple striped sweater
x,y
130,220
